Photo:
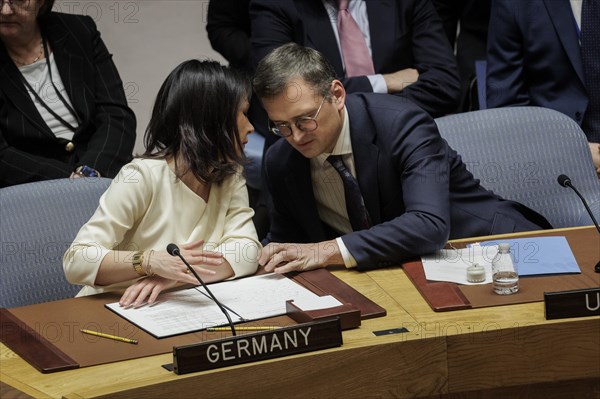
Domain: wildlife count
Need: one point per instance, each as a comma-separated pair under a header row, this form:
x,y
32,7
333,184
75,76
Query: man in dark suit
x,y
405,37
535,58
411,191
102,139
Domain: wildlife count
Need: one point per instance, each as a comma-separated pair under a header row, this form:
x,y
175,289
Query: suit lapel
x,y
15,92
320,32
562,17
299,185
382,16
366,158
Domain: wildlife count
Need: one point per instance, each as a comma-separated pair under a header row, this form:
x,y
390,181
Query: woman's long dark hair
x,y
194,120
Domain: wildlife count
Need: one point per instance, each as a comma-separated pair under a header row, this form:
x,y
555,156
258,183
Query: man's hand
x,y
399,80
283,258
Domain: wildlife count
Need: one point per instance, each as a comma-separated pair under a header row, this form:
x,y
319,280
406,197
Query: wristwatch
x,y
86,171
137,261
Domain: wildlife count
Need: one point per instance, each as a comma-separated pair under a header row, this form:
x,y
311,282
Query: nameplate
x,y
576,303
253,347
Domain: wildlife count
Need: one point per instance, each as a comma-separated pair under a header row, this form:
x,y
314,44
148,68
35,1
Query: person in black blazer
x,y
405,35
534,58
417,191
228,27
466,25
102,125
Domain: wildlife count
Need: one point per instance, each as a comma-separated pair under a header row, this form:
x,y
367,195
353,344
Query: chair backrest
x,y
519,152
38,222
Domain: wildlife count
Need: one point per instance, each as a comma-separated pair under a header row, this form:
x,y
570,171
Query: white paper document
x,y
321,302
451,264
249,298
533,256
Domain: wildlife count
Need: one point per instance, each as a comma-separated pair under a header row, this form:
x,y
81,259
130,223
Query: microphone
x,y
173,250
565,181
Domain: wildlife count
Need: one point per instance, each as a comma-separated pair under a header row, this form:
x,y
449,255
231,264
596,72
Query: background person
x,y
63,111
546,53
466,25
401,46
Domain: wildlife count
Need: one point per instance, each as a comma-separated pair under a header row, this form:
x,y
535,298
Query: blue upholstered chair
x,y
38,222
518,152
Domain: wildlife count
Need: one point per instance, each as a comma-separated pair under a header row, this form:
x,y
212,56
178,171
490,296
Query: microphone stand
x,y
568,184
175,252
564,181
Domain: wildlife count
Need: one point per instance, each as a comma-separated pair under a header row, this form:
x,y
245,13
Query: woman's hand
x,y
149,287
168,271
173,268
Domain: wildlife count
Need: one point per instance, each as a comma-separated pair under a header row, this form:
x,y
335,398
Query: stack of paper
x,y
245,299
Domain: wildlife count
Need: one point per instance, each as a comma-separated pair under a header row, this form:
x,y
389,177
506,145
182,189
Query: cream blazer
x,y
147,207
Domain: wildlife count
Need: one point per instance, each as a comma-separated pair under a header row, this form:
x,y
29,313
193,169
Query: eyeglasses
x,y
304,123
16,4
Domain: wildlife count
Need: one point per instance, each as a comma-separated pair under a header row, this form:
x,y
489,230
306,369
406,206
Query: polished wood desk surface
x,y
464,353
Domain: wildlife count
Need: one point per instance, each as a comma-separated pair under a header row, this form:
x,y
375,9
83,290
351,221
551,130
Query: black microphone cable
x,y
565,181
173,250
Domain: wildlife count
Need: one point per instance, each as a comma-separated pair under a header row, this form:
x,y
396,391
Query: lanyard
x,y
61,98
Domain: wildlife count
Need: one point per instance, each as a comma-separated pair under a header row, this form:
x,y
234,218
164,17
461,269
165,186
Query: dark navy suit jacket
x,y
534,57
416,188
404,34
29,151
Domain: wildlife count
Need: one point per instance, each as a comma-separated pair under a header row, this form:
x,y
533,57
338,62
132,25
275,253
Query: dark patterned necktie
x,y
590,57
355,205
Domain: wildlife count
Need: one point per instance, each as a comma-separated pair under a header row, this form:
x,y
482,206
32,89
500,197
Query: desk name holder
x,y
262,345
575,303
348,314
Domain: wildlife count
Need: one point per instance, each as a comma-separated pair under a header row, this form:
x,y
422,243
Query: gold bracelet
x,y
138,259
148,265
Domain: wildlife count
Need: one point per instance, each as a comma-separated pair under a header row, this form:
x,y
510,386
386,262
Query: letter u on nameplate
x,y
574,303
306,337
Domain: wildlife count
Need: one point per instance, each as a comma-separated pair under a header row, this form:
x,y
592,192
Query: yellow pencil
x,y
108,336
247,328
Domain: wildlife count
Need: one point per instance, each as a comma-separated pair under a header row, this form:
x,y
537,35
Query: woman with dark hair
x,y
63,111
186,188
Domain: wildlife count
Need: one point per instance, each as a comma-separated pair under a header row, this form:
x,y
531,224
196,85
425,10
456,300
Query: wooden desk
x,y
507,351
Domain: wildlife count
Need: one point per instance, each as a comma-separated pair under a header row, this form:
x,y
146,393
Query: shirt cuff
x,y
349,260
378,83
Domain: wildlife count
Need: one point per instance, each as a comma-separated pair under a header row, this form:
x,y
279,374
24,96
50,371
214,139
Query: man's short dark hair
x,y
290,61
